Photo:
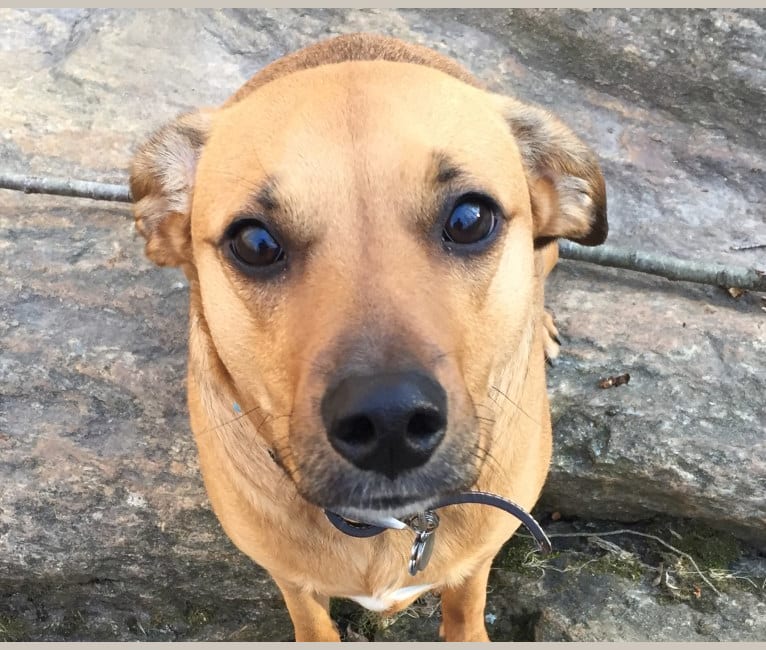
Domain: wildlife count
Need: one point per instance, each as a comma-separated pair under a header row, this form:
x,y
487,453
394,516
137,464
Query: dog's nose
x,y
386,423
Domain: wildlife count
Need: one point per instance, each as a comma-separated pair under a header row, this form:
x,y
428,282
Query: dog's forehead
x,y
376,129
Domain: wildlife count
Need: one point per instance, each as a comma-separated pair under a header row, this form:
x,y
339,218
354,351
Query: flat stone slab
x,y
102,510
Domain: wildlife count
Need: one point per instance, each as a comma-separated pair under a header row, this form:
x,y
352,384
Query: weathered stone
x,y
610,608
686,435
105,530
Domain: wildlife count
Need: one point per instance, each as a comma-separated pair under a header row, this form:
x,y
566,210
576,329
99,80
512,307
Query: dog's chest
x,y
384,600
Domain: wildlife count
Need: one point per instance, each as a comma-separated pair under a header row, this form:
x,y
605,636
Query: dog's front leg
x,y
310,613
463,608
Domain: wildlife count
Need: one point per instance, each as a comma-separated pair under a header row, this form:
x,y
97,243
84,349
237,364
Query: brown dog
x,y
366,233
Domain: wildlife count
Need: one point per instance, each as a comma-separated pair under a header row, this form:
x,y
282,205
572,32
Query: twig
x,y
667,267
605,255
65,187
625,531
749,247
720,574
534,561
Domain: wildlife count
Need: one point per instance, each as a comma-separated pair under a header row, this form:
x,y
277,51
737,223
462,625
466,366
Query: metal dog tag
x,y
424,525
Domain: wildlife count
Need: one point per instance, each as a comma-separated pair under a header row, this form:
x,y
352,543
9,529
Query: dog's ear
x,y
565,181
161,183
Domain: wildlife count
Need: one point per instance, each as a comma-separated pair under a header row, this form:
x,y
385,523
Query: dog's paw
x,y
551,342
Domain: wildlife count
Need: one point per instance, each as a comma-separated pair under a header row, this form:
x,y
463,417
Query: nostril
x,y
425,424
356,430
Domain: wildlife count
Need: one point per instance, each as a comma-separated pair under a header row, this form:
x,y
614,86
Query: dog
x,y
366,231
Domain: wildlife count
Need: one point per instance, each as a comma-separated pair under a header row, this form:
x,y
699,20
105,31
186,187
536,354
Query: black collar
x,y
360,529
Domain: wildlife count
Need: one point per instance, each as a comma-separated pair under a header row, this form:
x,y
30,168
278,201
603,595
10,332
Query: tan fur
x,y
344,136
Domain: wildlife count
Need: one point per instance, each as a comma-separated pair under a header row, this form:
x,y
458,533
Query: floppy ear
x,y
565,181
161,183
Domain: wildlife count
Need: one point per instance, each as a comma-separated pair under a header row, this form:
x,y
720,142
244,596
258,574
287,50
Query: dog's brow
x,y
266,196
446,169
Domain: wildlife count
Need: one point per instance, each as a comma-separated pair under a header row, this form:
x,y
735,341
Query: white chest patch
x,y
383,601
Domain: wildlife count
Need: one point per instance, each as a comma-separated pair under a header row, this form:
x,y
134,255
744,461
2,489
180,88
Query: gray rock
x,y
610,608
686,435
105,530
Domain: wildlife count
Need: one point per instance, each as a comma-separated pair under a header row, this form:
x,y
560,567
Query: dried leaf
x,y
617,380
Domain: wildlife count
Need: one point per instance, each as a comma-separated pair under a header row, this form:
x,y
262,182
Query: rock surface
x,y
105,530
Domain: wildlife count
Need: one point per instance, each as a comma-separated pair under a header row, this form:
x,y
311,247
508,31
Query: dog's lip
x,y
384,506
374,519
385,514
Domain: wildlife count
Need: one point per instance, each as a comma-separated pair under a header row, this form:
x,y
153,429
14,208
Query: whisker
x,y
514,404
487,455
247,181
232,421
485,425
493,414
442,355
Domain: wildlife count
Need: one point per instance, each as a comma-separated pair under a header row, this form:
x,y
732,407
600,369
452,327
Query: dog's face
x,y
360,239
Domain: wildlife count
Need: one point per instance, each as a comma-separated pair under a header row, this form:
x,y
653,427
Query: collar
x,y
415,523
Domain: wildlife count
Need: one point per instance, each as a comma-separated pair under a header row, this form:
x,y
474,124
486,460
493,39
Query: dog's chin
x,y
380,500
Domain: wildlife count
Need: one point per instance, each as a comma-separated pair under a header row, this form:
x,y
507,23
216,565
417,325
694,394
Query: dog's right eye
x,y
253,245
472,223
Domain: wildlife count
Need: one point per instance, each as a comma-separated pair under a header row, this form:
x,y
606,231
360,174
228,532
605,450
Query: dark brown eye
x,y
470,222
253,245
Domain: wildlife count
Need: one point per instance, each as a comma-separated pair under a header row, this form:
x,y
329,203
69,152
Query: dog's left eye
x,y
470,222
253,245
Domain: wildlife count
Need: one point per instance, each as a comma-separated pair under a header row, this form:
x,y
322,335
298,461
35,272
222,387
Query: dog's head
x,y
360,238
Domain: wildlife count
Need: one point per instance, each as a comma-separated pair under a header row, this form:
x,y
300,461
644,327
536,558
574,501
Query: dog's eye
x,y
253,245
471,221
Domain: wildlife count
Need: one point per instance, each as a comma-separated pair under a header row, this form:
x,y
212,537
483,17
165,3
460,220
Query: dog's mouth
x,y
384,505
388,512
331,483
368,497
359,496
349,505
